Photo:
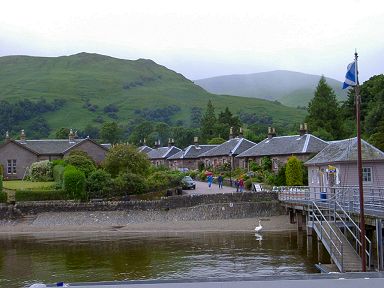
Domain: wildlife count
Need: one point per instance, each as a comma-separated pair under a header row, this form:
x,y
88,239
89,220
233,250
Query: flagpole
x,y
360,170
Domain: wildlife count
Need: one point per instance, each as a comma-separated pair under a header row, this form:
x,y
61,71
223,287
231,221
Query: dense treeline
x,y
331,120
13,114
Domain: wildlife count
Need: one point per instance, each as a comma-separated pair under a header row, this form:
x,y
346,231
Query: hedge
x,y
1,183
40,195
3,197
74,183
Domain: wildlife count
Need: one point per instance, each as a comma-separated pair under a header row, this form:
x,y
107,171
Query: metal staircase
x,y
334,226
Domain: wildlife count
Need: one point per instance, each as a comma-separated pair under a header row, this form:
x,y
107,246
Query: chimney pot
x,y
71,136
22,137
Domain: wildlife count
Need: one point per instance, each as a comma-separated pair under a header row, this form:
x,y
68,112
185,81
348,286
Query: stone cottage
x,y
280,148
159,155
226,153
17,155
189,157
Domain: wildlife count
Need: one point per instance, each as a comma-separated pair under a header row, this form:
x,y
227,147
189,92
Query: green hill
x,y
98,88
290,88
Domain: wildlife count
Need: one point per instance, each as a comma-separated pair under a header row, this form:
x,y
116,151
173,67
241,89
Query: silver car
x,y
188,183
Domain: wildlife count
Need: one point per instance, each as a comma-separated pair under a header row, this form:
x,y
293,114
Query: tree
x,y
294,172
62,133
124,158
208,123
216,141
110,132
226,120
324,112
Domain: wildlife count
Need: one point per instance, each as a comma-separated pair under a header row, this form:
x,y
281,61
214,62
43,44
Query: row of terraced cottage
x,y
329,163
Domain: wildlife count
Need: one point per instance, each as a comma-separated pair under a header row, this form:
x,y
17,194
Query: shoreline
x,y
124,222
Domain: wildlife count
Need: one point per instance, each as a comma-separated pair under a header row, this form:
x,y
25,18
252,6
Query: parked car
x,y
188,183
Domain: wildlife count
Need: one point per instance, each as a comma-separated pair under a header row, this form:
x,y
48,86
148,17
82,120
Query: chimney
x,y
231,133
157,143
7,136
144,141
71,136
303,129
170,142
22,137
271,132
196,141
240,132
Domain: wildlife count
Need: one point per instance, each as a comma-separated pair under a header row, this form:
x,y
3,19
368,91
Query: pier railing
x,y
338,203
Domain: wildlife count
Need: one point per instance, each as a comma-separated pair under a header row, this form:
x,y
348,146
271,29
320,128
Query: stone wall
x,y
217,206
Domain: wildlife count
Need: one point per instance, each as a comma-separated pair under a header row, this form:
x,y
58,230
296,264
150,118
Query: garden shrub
x,y
1,183
3,197
74,183
40,195
294,172
1,170
248,184
129,183
40,171
82,163
59,162
99,184
82,154
58,171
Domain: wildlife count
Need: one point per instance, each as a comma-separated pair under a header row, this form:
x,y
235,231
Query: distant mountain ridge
x,y
288,87
94,88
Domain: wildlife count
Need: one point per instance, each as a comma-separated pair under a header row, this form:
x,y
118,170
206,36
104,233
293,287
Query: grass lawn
x,y
21,185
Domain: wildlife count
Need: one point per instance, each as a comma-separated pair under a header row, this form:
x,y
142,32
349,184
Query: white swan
x,y
259,227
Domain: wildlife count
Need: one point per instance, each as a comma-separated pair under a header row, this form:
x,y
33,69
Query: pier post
x,y
291,216
309,245
379,243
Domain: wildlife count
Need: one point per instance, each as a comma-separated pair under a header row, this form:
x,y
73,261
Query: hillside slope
x,y
290,88
90,82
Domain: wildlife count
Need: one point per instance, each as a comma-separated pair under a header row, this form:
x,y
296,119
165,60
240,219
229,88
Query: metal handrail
x,y
357,239
329,236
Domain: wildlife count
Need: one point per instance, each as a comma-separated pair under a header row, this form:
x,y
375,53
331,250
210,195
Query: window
x,y
11,166
275,164
367,174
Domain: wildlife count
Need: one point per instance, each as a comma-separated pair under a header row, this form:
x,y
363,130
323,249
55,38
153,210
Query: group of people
x,y
239,183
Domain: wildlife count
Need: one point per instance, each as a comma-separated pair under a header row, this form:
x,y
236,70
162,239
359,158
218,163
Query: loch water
x,y
90,257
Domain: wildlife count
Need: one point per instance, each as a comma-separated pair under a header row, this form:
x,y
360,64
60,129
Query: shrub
x,y
248,184
3,197
74,183
58,171
40,171
58,162
1,170
81,162
1,183
293,172
123,158
82,154
99,184
129,183
40,195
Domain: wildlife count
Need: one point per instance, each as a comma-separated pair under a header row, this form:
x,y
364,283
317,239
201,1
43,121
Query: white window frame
x,y
369,173
11,166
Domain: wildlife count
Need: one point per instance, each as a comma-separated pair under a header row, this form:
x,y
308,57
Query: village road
x,y
202,188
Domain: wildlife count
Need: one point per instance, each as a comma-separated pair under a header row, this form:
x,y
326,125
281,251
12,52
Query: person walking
x,y
220,181
241,184
210,180
237,185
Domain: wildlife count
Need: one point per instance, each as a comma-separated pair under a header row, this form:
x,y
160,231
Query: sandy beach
x,y
135,221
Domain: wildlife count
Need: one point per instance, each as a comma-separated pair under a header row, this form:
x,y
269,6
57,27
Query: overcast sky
x,y
204,38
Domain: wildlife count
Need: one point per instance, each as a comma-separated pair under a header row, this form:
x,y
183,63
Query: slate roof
x,y
53,146
233,146
145,149
286,145
346,151
163,152
192,152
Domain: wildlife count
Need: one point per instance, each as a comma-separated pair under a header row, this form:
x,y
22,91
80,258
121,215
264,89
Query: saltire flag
x,y
351,76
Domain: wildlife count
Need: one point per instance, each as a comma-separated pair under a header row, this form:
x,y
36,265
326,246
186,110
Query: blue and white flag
x,y
350,77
